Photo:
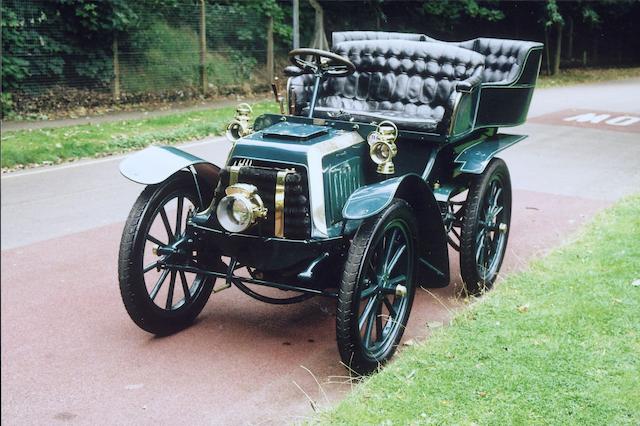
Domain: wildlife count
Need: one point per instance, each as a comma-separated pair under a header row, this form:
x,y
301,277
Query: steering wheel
x,y
332,65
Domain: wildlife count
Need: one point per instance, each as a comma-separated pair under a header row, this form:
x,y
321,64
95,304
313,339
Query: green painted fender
x,y
158,163
370,200
475,158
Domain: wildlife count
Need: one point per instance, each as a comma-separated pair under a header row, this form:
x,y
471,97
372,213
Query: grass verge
x,y
28,147
587,75
557,344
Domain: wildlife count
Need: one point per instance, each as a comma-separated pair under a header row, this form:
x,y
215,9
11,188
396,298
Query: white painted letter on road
x,y
593,119
589,117
623,120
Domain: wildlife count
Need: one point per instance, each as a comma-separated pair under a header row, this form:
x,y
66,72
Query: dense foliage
x,y
70,43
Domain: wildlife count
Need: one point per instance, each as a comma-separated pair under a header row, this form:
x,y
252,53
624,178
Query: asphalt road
x,y
70,353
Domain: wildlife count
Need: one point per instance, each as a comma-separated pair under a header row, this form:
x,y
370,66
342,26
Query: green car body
x,y
312,185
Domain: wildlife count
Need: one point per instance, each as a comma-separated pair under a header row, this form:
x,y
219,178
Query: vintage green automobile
x,y
384,158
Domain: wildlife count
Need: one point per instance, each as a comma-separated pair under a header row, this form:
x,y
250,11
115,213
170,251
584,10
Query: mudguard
x,y
473,159
157,163
370,200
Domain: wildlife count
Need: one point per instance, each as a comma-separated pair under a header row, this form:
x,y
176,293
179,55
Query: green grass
x,y
557,344
587,75
25,147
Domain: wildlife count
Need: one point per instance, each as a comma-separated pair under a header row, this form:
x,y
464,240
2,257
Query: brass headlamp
x,y
240,126
382,147
240,208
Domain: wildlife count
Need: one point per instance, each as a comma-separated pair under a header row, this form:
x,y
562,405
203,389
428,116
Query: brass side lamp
x,y
240,126
382,147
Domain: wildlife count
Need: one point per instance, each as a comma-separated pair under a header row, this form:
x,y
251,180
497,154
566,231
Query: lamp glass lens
x,y
240,212
234,213
383,151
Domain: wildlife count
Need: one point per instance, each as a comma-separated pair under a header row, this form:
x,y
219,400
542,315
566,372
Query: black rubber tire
x,y
350,345
142,310
475,281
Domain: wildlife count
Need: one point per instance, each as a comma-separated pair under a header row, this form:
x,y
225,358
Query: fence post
x,y
296,24
203,48
270,59
319,38
116,69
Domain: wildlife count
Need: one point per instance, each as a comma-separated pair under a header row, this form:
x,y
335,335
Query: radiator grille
x,y
297,219
342,179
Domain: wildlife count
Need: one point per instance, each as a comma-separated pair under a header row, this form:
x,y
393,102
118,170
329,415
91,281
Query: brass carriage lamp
x,y
241,207
383,147
240,126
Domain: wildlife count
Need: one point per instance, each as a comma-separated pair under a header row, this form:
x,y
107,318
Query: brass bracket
x,y
234,170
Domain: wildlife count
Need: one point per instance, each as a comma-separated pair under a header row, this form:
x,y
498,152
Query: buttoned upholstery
x,y
341,36
503,58
408,82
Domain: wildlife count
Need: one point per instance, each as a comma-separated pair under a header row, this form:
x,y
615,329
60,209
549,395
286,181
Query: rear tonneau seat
x,y
504,58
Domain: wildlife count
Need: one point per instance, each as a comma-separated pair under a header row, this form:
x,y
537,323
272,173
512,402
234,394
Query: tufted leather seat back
x,y
341,36
409,82
504,58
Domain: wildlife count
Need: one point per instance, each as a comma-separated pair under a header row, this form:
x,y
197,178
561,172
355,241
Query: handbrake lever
x,y
279,99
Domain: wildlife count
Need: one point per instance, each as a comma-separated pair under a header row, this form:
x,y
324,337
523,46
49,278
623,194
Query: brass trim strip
x,y
279,203
234,171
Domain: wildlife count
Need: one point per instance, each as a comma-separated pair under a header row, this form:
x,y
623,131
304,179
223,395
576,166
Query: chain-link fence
x,y
176,50
64,54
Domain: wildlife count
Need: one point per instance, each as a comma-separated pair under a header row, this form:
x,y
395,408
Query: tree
x,y
319,36
554,20
449,12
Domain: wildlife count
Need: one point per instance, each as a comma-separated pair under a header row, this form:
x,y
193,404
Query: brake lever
x,y
279,99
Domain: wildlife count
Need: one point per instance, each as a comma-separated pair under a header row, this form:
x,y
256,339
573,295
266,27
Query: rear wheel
x,y
161,300
377,288
485,228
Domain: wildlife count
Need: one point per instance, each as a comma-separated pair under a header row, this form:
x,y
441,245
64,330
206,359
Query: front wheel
x,y
485,228
377,289
161,300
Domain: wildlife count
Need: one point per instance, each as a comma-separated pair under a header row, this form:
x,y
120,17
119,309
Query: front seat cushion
x,y
408,82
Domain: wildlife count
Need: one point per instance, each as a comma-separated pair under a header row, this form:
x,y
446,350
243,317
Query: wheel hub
x,y
401,291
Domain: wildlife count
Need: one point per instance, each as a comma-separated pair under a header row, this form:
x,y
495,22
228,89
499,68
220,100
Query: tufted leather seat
x,y
408,82
341,36
504,58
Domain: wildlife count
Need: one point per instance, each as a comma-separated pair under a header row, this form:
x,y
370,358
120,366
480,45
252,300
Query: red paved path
x,y
71,354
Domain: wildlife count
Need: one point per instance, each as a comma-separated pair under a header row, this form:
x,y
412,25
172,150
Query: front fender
x,y
370,200
156,163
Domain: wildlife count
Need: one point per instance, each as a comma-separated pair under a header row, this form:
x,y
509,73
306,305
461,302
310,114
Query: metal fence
x,y
56,58
176,51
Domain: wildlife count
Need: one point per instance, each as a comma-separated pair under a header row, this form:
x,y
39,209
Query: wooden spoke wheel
x,y
377,288
158,299
485,228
